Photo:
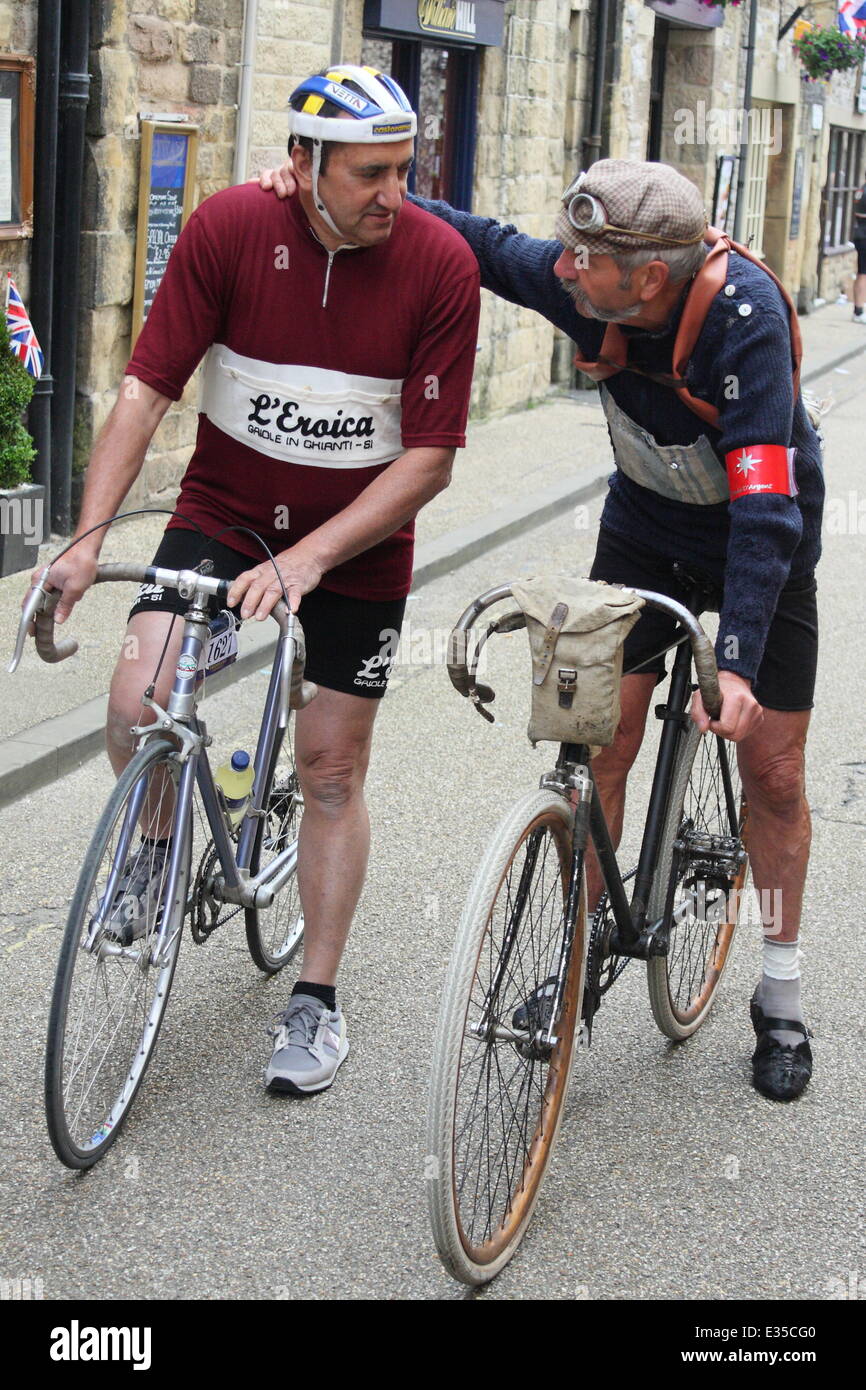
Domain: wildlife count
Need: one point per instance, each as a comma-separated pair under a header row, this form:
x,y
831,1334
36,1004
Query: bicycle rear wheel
x,y
109,1000
707,819
496,1098
275,933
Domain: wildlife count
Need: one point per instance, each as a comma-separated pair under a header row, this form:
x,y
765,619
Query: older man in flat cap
x,y
718,473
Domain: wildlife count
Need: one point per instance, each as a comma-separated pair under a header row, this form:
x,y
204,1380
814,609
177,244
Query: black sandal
x,y
779,1071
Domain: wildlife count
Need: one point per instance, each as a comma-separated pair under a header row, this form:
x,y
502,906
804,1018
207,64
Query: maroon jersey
x,y
321,368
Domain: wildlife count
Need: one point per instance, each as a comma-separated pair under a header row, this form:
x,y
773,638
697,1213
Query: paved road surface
x,y
672,1178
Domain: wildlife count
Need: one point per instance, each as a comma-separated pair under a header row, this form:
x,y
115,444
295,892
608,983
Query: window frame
x,y
845,156
462,106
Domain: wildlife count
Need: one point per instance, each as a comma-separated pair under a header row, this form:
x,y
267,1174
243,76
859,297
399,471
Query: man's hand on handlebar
x,y
73,573
259,587
281,181
740,714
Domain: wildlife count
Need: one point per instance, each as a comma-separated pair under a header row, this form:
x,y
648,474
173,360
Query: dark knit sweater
x,y
757,543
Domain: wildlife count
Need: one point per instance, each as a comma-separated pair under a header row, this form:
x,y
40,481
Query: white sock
x,y
778,993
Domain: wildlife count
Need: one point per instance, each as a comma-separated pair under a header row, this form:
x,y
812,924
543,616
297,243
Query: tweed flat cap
x,y
628,204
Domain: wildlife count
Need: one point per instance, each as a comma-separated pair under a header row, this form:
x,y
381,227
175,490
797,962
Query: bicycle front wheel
x,y
703,864
497,1093
109,1000
275,933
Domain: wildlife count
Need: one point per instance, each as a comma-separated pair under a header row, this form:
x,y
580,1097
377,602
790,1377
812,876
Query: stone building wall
x,y
295,38
18,36
533,115
705,71
147,56
630,85
530,119
529,125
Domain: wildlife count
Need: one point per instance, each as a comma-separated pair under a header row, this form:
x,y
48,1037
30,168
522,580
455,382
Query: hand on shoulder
x,y
279,181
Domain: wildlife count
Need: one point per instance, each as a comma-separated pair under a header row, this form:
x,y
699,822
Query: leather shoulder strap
x,y
611,358
708,281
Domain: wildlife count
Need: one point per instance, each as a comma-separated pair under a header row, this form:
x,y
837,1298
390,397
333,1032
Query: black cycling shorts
x,y
860,248
786,675
351,642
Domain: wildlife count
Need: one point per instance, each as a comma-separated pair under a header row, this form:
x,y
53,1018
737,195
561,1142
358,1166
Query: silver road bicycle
x,y
112,986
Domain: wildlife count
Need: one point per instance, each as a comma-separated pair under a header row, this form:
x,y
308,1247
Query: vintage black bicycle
x,y
110,993
528,971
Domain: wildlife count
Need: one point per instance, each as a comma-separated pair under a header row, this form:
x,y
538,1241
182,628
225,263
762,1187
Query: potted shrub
x,y
824,51
22,503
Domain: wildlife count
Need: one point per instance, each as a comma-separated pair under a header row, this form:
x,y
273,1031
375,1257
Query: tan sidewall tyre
x,y
447,1051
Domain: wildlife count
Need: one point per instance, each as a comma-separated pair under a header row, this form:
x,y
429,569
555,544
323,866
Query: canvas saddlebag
x,y
576,629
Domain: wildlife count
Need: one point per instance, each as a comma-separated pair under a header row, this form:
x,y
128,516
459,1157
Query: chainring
x,y
207,912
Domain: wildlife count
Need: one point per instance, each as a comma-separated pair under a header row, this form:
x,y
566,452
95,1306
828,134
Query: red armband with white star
x,y
761,468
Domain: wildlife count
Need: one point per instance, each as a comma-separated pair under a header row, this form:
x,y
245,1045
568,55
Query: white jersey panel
x,y
307,415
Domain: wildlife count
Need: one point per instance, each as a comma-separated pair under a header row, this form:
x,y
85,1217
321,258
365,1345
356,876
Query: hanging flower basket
x,y
825,51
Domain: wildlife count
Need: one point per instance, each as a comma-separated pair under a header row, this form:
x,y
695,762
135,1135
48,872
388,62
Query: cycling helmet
x,y
378,107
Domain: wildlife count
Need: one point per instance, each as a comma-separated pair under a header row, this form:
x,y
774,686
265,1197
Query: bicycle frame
x,y
632,935
180,719
572,777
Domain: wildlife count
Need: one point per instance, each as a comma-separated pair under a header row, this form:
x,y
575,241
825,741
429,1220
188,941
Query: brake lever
x,y
33,604
39,609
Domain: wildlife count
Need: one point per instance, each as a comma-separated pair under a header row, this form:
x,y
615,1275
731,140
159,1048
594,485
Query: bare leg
x,y
332,749
135,669
859,291
772,763
613,764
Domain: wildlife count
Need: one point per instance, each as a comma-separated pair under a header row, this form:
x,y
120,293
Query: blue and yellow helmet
x,y
378,107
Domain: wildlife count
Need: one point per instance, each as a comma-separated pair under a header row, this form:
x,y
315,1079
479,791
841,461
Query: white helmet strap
x,y
317,199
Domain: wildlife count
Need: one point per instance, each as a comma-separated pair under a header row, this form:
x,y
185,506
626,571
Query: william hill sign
x,y
450,17
445,21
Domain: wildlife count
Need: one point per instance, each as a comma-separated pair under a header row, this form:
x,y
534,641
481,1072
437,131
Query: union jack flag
x,y
23,340
852,17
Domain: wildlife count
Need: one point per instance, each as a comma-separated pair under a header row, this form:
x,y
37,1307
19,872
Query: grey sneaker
x,y
309,1044
134,911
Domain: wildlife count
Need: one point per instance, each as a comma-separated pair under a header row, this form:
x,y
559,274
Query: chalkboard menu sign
x,y
168,156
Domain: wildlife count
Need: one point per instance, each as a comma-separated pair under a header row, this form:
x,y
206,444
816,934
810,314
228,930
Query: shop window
x,y
755,192
844,176
441,83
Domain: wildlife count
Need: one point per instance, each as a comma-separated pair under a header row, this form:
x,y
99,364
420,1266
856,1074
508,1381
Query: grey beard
x,y
583,305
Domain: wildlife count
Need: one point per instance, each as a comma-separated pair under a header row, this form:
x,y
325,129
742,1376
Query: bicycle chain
x,y
602,969
206,911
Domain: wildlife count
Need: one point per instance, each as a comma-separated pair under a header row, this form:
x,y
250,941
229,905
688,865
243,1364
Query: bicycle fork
x,y
579,781
582,787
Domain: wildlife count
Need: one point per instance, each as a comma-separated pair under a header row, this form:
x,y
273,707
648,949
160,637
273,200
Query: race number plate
x,y
221,650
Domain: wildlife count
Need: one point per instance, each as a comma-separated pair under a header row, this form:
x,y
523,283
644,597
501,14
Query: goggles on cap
x,y
586,213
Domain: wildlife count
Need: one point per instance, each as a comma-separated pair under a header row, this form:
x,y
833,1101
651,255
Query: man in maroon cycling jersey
x,y
339,330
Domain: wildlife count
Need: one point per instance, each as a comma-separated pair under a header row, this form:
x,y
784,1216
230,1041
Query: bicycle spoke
x,y
707,887
502,1093
109,999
